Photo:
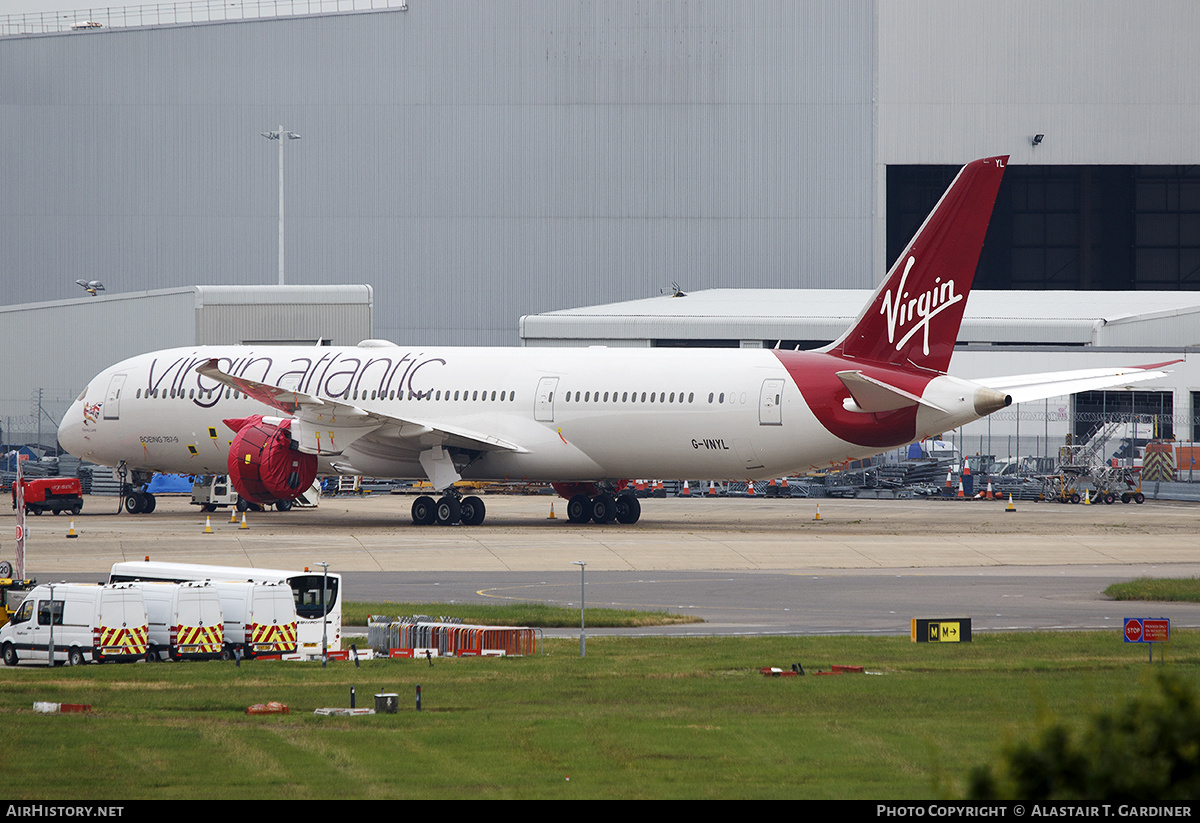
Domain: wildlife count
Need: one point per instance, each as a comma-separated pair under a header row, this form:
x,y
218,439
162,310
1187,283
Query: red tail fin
x,y
913,318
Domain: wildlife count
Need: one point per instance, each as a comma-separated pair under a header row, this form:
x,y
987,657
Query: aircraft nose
x,y
70,430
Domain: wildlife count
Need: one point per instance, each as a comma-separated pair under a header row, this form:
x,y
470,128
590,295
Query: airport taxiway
x,y
743,566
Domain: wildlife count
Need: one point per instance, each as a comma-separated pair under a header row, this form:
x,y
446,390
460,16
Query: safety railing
x,y
98,18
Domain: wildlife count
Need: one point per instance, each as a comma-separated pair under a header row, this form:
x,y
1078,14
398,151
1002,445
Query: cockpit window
x,y
82,394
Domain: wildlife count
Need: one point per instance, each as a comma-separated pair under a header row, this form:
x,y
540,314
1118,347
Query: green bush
x,y
1147,749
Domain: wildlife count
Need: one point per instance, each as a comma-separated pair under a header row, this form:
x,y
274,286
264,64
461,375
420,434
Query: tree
x,y
1147,749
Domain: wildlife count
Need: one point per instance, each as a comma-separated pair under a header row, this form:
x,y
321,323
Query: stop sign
x,y
1133,630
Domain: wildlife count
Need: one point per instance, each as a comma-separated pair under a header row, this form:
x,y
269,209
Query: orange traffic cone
x,y
990,494
749,488
551,517
712,489
818,517
686,491
961,494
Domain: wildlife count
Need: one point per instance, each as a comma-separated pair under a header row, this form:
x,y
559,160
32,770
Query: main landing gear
x,y
604,507
448,510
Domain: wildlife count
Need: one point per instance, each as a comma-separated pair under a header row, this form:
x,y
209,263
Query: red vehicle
x,y
54,494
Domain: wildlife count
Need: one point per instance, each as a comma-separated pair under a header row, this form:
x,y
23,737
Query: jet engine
x,y
264,467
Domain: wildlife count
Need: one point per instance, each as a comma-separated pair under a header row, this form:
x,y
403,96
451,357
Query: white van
x,y
84,622
260,618
184,620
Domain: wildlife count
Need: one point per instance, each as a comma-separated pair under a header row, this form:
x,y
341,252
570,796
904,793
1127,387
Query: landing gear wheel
x,y
448,511
243,505
603,508
135,503
473,511
283,505
579,509
148,503
629,508
423,511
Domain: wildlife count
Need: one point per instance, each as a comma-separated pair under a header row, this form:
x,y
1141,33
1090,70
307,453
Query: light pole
x,y
582,608
280,135
324,615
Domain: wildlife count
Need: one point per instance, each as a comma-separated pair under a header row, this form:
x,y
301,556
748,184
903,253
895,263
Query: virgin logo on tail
x,y
903,310
931,277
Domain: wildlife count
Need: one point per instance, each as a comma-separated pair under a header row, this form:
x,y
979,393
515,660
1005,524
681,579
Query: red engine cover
x,y
263,467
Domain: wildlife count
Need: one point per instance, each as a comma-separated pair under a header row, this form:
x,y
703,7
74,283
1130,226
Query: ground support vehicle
x,y
53,494
260,619
184,620
1082,476
82,622
213,491
317,595
12,592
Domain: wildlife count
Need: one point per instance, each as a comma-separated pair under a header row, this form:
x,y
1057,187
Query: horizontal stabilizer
x,y
871,395
1025,387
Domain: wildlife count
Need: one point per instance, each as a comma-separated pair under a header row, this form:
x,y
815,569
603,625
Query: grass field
x,y
1172,589
638,718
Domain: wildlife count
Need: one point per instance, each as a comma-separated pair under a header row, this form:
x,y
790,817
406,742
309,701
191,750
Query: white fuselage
x,y
575,414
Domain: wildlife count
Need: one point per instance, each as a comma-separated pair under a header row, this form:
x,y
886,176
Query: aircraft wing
x,y
1024,387
328,427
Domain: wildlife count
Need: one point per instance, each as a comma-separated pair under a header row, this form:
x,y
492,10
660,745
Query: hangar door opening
x,y
1126,418
1103,228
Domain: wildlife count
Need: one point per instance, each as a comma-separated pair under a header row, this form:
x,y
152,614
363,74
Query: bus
x,y
306,589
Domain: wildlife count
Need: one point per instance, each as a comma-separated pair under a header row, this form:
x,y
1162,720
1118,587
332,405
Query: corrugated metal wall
x,y
1106,81
472,160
